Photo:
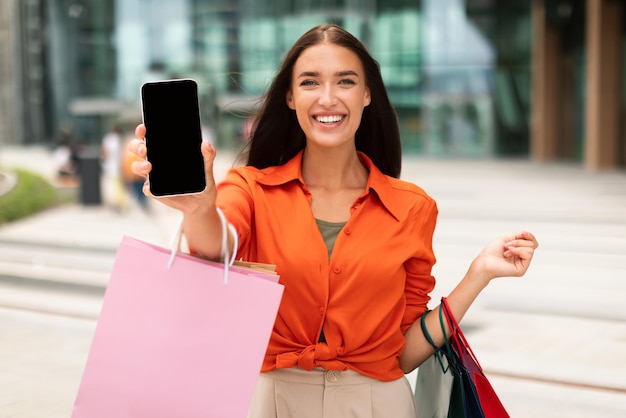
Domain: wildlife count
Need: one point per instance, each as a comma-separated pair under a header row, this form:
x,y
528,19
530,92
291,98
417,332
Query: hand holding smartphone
x,y
171,115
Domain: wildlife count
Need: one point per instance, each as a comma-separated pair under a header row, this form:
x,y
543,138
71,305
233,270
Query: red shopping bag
x,y
179,341
488,401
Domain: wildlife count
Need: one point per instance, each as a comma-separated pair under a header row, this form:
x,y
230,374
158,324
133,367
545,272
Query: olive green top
x,y
329,231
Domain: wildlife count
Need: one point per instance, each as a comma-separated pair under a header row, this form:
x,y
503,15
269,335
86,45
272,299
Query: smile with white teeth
x,y
329,119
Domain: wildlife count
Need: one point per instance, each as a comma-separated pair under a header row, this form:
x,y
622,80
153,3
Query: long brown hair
x,y
277,136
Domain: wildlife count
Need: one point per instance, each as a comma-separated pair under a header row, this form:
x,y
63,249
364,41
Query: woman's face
x,y
328,92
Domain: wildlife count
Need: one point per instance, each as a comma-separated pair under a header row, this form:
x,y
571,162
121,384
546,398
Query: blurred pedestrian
x,y
320,197
111,152
65,157
133,183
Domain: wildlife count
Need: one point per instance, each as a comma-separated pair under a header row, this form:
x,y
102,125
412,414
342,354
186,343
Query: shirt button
x,y
337,270
340,350
347,231
332,376
321,310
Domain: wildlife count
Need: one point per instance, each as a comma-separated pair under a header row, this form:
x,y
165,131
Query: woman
x,y
320,198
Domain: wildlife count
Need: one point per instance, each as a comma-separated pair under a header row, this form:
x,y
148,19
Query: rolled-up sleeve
x,y
419,279
235,198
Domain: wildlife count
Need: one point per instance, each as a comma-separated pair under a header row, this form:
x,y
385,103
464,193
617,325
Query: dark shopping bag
x,y
184,340
433,389
480,393
467,389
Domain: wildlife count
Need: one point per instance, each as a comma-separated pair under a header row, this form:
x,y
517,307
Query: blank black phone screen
x,y
171,115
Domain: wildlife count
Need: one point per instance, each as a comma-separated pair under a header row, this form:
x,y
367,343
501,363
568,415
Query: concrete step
x,y
51,301
503,339
56,256
58,277
46,266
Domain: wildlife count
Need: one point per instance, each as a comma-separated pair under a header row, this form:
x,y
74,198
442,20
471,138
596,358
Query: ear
x,y
289,100
368,98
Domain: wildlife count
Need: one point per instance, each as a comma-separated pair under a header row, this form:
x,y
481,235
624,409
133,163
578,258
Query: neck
x,y
333,169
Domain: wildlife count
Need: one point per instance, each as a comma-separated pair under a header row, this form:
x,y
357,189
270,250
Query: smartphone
x,y
171,115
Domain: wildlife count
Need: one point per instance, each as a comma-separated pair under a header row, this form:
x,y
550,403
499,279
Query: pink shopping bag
x,y
179,341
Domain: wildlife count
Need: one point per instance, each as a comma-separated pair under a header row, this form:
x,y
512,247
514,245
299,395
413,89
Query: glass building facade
x,y
457,71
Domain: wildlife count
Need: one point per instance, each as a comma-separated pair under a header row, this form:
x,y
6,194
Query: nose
x,y
327,96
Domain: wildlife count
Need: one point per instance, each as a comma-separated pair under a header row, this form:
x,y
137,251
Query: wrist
x,y
199,211
478,272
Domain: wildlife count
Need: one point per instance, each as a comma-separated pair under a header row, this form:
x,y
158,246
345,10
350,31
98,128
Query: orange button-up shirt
x,y
375,285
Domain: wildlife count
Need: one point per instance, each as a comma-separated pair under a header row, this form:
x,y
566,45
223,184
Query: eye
x,y
306,83
347,82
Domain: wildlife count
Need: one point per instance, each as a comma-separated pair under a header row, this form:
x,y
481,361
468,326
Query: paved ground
x,y
551,342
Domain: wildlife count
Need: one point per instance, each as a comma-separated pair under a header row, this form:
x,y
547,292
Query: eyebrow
x,y
337,74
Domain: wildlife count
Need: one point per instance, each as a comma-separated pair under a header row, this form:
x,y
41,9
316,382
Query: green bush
x,y
31,194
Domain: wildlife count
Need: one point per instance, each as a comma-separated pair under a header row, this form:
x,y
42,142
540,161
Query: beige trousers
x,y
297,393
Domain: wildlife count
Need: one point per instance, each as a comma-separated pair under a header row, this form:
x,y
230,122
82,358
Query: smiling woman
x,y
279,134
321,199
328,93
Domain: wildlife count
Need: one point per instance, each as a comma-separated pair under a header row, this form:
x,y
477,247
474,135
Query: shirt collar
x,y
377,182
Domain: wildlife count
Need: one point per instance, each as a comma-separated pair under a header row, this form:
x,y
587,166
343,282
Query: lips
x,y
330,119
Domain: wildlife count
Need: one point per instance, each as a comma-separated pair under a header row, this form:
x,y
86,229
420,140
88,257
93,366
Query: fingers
x,y
528,237
208,153
524,253
146,188
521,250
523,240
141,167
140,131
138,147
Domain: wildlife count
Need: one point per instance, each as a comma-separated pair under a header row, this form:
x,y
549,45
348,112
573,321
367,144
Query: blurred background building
x,y
469,78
